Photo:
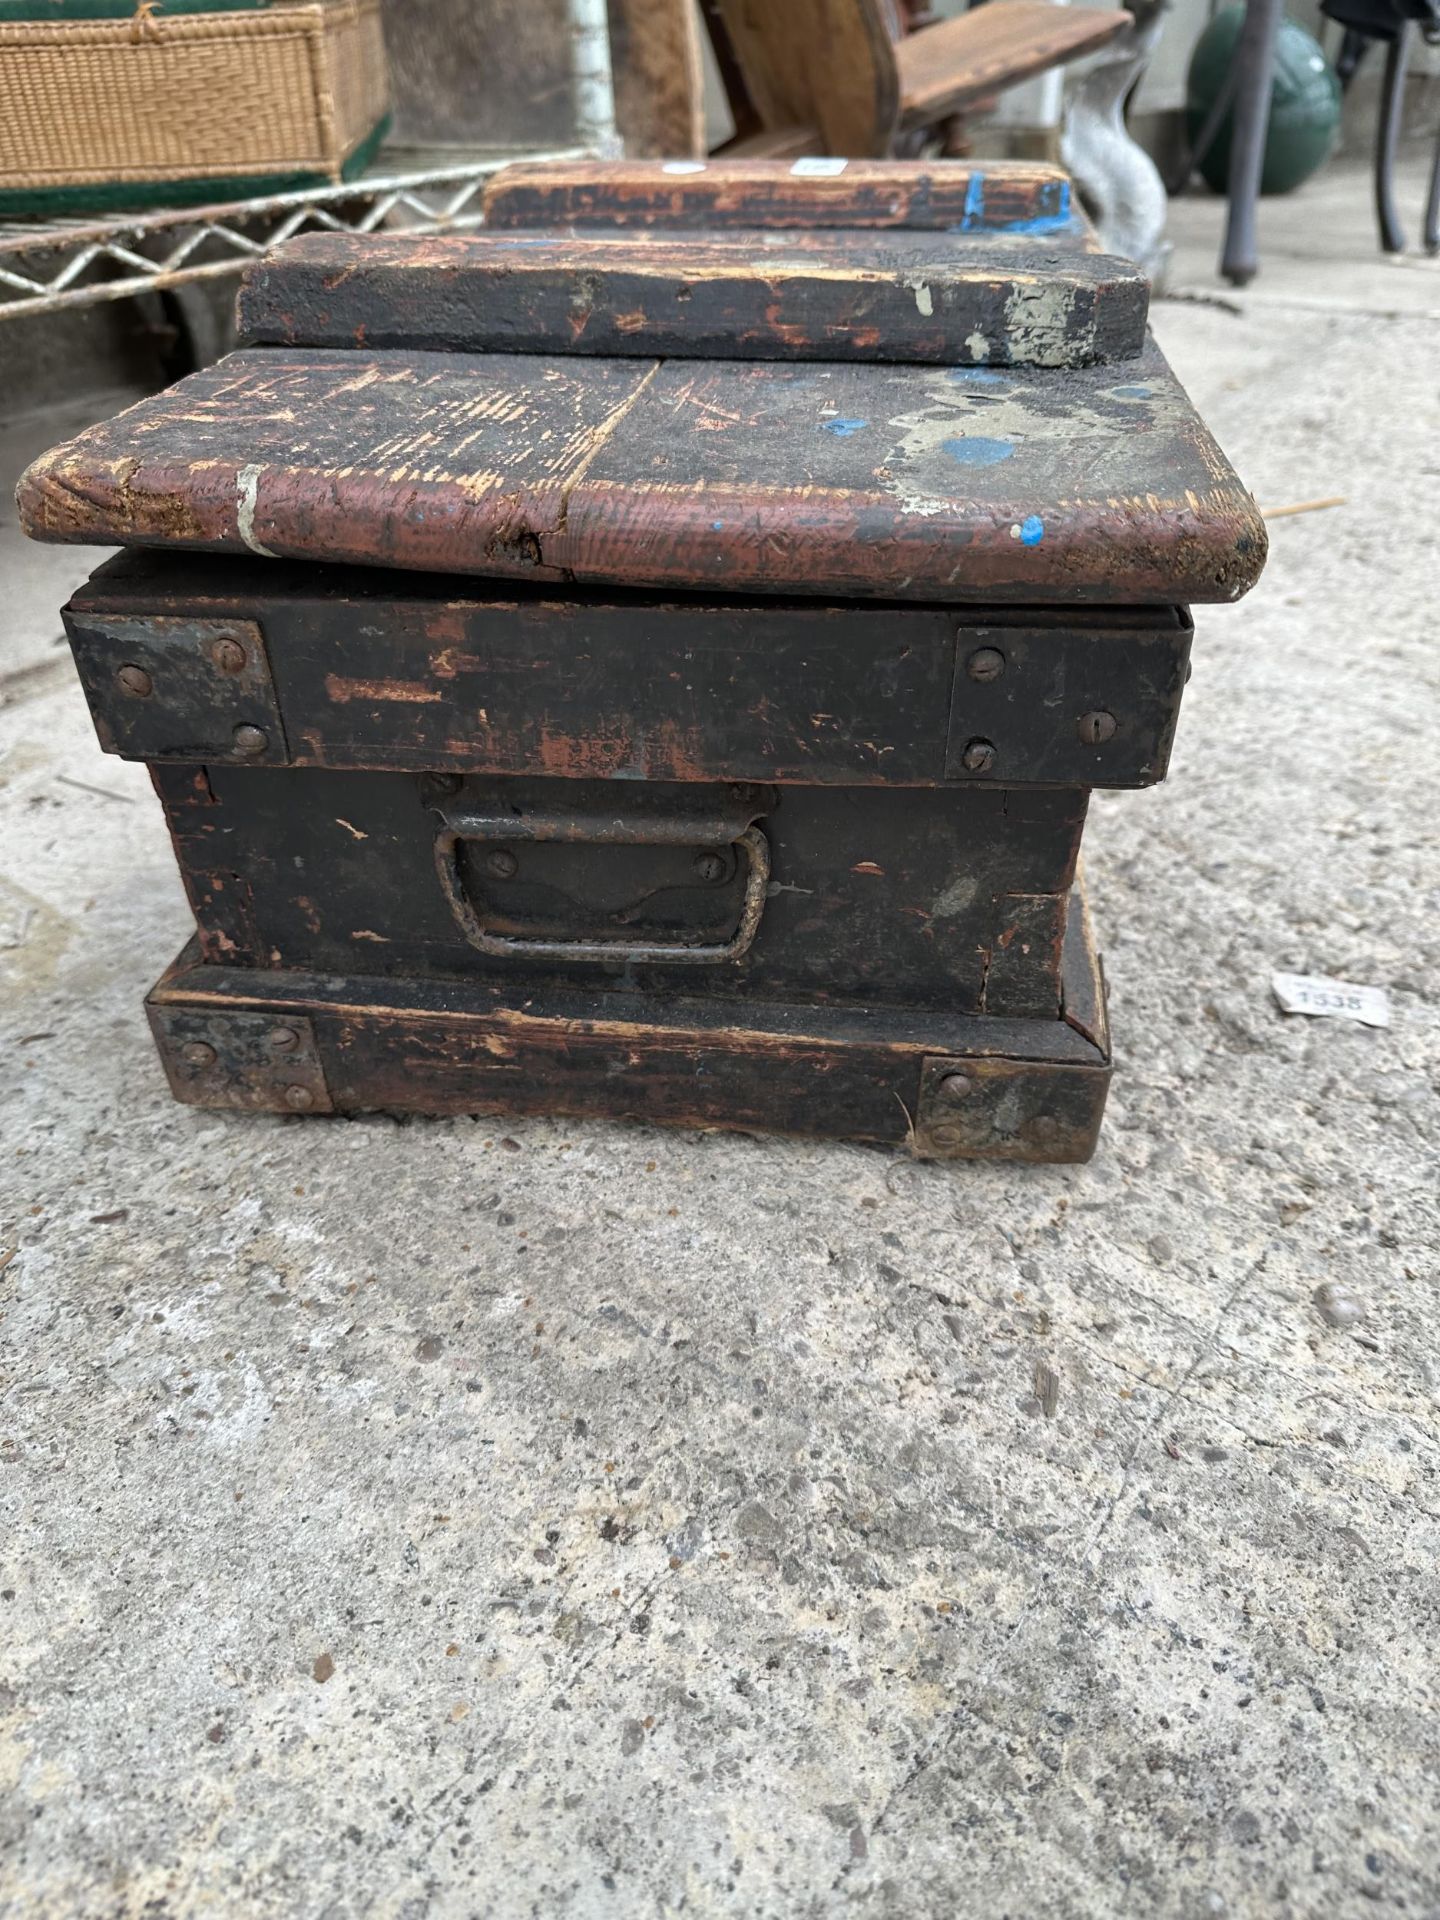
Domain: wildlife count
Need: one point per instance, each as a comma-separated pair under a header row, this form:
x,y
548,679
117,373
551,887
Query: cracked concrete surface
x,y
495,1517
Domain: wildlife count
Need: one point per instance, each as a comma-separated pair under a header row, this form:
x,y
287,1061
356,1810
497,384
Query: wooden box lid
x,y
951,398
1097,484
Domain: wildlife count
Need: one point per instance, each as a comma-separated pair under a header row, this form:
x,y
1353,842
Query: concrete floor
x,y
512,1518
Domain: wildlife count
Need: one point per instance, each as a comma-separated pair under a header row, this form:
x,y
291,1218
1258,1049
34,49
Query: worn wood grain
x,y
946,196
659,79
980,52
827,64
869,296
377,670
423,1046
906,482
879,897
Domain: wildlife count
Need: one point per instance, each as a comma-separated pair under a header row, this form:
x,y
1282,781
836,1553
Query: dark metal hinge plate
x,y
219,1058
987,1108
170,689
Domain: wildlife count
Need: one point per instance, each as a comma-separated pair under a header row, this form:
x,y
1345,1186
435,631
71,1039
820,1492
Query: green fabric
x,y
132,196
57,12
1304,104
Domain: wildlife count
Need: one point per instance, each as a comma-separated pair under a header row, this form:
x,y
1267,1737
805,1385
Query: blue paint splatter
x,y
1032,531
974,215
842,429
977,377
717,526
1058,220
976,451
1055,221
1131,393
1041,223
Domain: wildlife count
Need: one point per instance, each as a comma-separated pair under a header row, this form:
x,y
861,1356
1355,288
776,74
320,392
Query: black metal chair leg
x,y
1432,206
1255,61
1178,179
1397,54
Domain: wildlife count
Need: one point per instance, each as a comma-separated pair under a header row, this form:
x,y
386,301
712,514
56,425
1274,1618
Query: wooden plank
x,y
1037,1088
659,79
988,48
899,482
945,196
731,295
821,63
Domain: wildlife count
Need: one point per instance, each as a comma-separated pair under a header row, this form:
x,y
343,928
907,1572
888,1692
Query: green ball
x,y
1304,106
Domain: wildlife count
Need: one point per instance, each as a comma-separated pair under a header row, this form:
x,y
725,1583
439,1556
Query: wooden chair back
x,y
823,64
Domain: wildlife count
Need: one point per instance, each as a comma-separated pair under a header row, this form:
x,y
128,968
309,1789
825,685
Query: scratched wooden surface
x,y
871,296
1098,485
365,669
412,1044
951,196
335,871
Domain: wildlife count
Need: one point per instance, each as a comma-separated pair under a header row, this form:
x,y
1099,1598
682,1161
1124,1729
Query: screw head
x,y
986,663
284,1039
709,866
954,1086
501,864
299,1098
197,1053
444,782
947,1135
135,680
228,654
1095,728
978,757
250,740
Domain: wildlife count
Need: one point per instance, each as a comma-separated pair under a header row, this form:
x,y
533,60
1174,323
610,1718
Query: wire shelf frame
x,y
47,266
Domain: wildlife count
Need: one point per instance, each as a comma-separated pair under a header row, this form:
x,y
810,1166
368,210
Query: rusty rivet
x,y
445,782
501,864
299,1098
954,1086
284,1039
1044,1126
228,654
197,1053
250,740
709,866
947,1136
1095,728
135,680
986,663
978,757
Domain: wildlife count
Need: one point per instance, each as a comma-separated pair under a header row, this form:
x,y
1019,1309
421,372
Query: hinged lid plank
x,y
881,481
878,296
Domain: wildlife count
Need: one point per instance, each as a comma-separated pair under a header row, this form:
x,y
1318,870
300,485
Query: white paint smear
x,y
818,169
247,482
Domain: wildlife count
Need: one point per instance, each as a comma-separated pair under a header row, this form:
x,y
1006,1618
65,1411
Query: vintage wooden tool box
x,y
652,655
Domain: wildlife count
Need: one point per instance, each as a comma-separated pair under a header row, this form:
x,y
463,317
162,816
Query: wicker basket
x,y
160,108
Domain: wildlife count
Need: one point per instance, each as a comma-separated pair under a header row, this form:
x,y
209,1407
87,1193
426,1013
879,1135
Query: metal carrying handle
x,y
605,831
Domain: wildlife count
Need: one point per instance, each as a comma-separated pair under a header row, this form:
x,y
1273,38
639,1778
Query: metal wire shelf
x,y
46,266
